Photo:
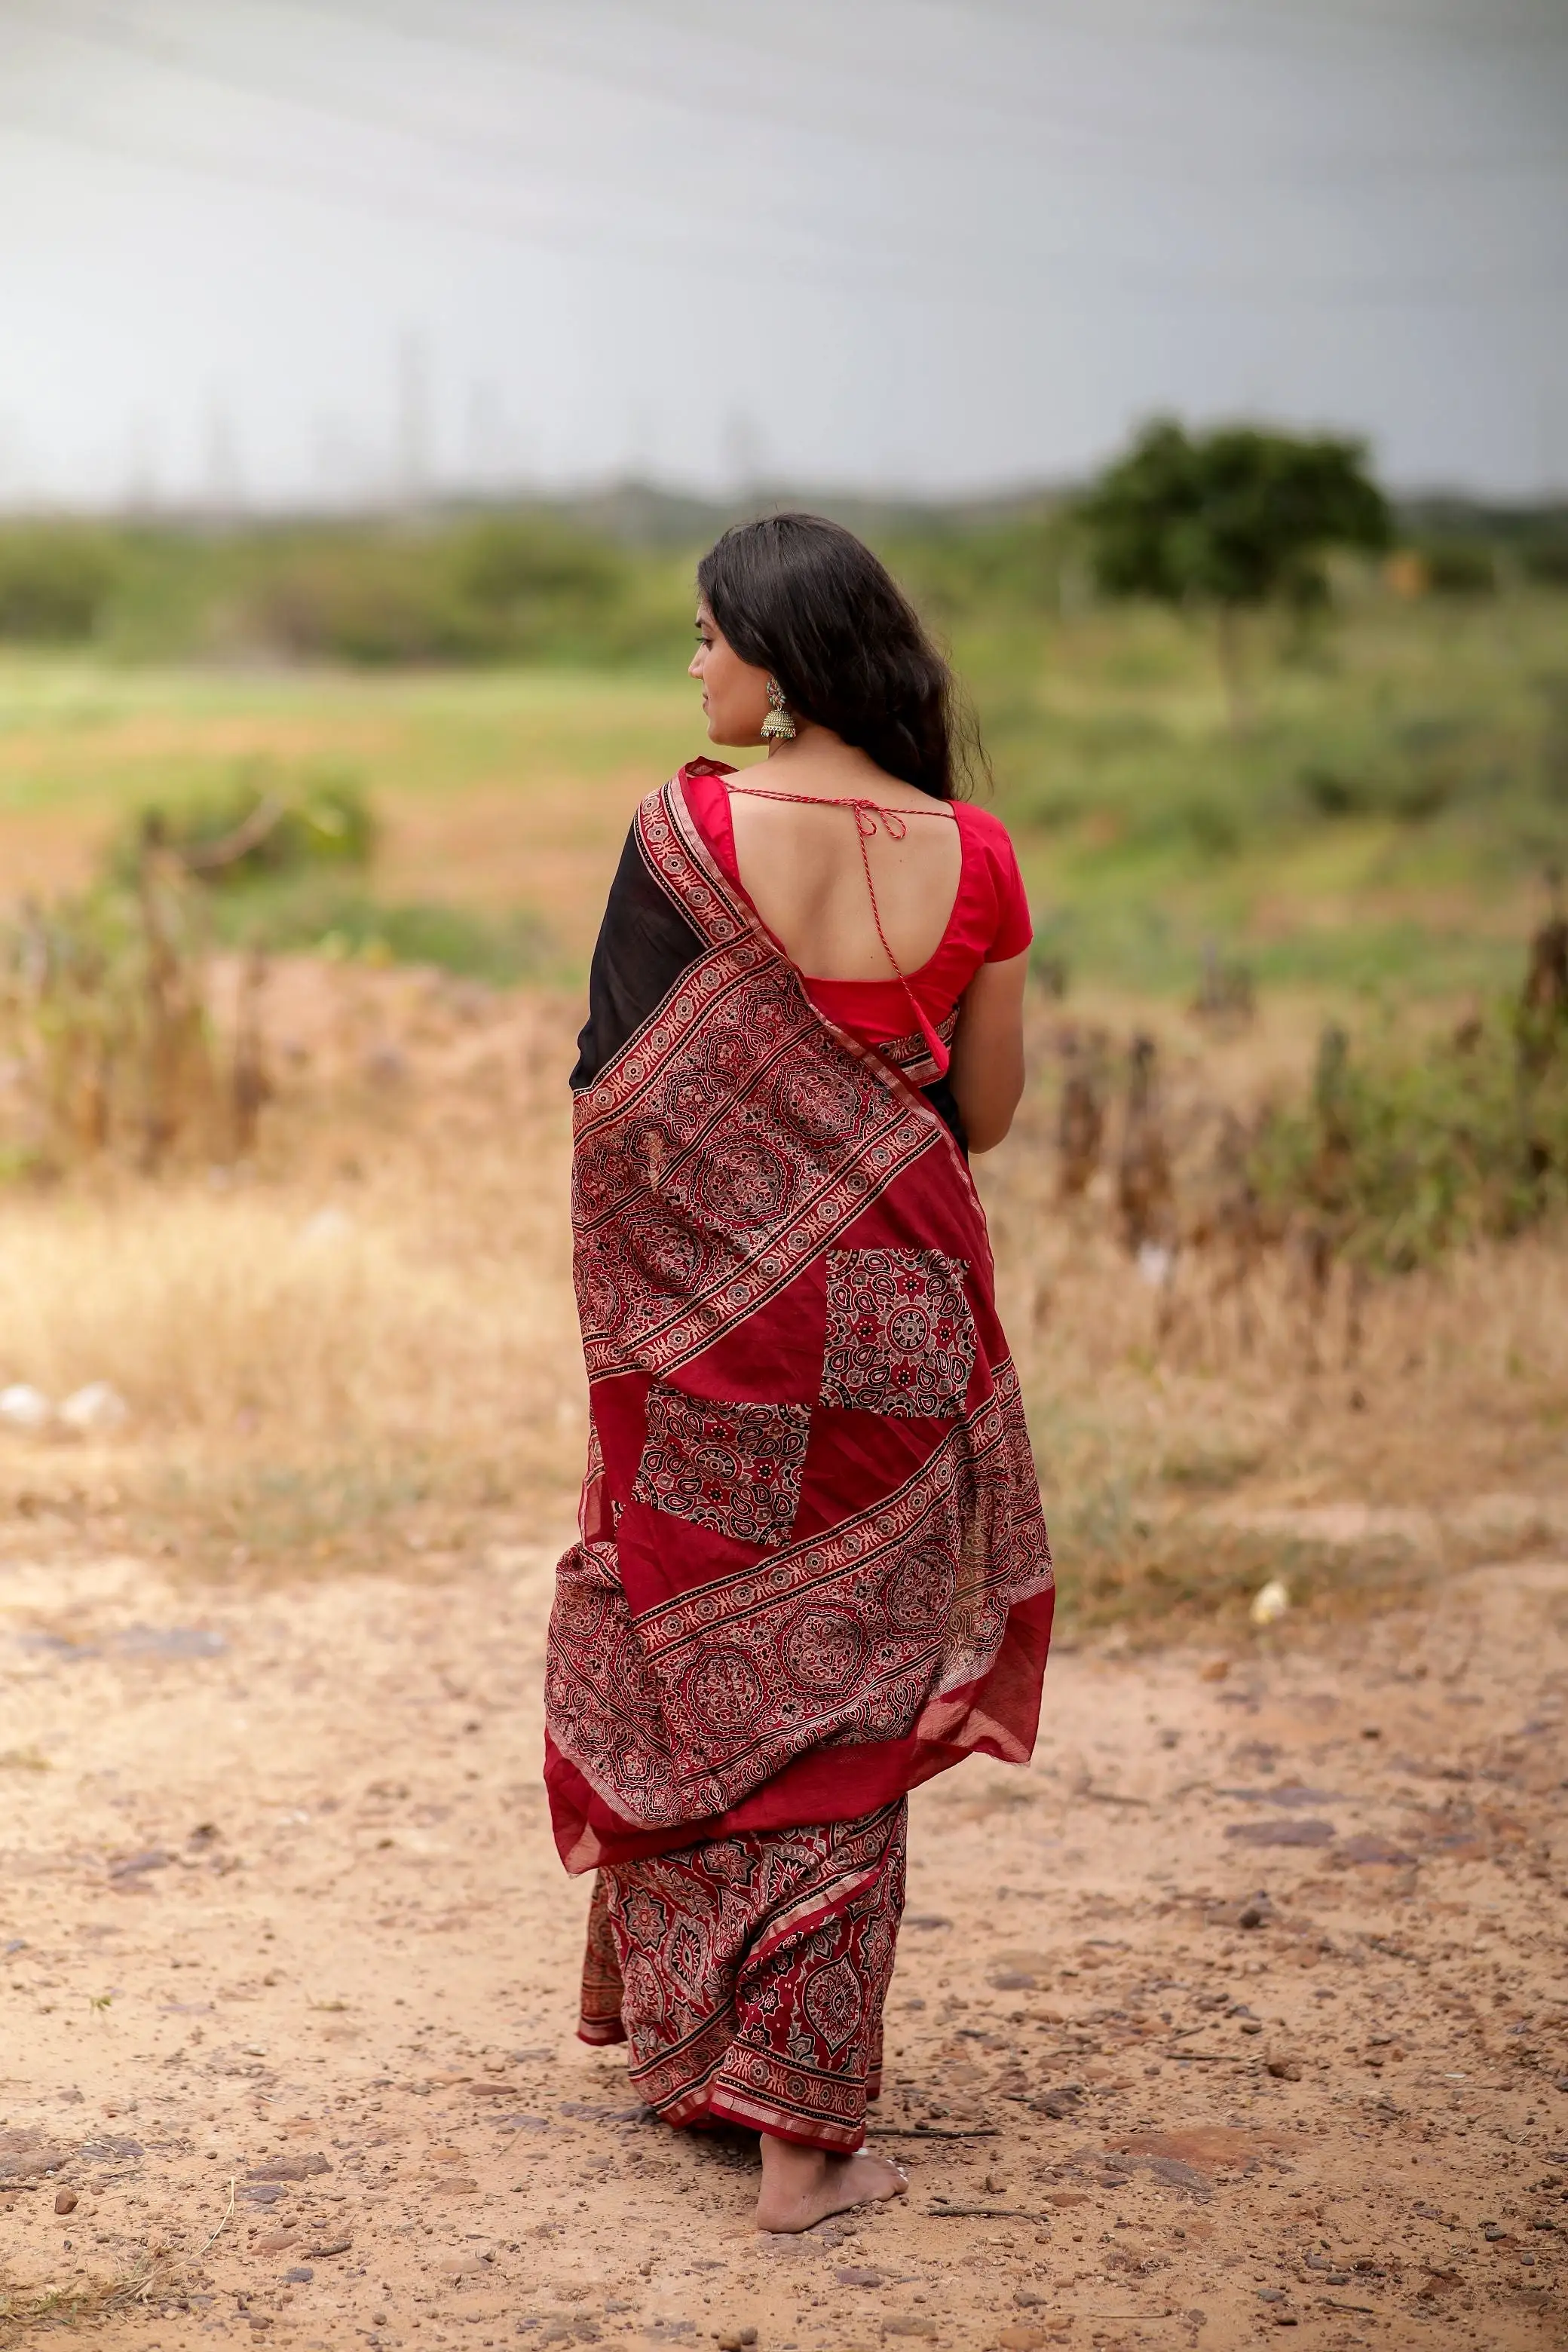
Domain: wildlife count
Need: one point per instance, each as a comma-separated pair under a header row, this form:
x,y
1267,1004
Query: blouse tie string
x,y
869,815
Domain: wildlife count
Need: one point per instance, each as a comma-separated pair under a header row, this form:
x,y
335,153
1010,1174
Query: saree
x,y
812,1568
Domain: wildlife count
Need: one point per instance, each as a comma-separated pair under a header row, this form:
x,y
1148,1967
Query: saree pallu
x,y
812,1568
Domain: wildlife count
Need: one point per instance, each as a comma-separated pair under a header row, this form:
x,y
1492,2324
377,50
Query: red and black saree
x,y
812,1569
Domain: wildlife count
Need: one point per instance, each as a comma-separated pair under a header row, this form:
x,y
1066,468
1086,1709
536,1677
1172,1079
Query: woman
x,y
812,1569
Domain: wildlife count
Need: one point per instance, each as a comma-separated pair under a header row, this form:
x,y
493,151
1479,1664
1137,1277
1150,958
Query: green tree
x,y
1230,521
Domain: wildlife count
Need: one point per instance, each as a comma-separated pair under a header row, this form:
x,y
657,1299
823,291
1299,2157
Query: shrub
x,y
55,582
1459,567
373,602
259,824
317,915
1402,1154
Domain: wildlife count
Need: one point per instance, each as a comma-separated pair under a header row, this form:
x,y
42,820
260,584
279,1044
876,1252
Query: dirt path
x,y
1249,1994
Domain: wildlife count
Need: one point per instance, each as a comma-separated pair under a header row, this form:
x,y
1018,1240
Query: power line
x,y
812,263
1150,282
1323,173
1320,172
380,199
1362,19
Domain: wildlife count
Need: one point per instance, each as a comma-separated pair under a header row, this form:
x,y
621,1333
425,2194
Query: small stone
x,y
856,2278
289,2167
1251,1917
302,2275
1284,2067
65,2200
94,1411
1021,2338
277,2242
1251,2025
1215,1671
1058,2104
1296,1833
330,2246
1270,1603
25,1409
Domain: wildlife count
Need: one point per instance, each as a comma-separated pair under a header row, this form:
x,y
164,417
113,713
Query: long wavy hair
x,y
804,599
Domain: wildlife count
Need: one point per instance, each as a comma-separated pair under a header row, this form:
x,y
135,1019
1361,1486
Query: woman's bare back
x,y
802,867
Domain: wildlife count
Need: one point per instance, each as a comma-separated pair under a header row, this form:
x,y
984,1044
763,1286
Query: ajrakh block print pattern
x,y
731,1467
752,1974
900,1338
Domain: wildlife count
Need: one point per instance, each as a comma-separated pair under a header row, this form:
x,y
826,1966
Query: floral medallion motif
x,y
900,1338
733,1467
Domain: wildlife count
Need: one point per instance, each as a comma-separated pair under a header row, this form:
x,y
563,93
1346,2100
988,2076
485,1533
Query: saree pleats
x,y
749,1974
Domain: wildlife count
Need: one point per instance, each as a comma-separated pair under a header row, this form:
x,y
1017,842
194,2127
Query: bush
x,y
1404,1154
260,825
1547,561
368,602
506,588
314,915
1459,567
55,582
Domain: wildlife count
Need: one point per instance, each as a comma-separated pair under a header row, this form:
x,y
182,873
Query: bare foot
x,y
802,2185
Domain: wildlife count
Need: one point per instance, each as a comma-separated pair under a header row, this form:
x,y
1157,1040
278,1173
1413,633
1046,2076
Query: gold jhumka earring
x,y
778,725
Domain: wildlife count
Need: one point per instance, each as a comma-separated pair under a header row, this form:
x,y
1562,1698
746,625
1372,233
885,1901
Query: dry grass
x,y
219,1315
151,2284
366,1341
1191,1432
367,1334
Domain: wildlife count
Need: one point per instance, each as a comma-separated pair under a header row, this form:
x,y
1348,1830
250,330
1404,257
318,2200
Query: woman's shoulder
x,y
987,837
996,885
700,780
982,825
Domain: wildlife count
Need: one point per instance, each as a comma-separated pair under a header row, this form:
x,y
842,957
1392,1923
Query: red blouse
x,y
989,922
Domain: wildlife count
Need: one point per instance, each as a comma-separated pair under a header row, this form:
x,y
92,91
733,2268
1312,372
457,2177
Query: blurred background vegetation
x,y
1347,782
1286,766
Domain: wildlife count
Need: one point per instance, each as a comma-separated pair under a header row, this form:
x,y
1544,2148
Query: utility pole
x,y
225,485
142,464
413,463
742,453
13,463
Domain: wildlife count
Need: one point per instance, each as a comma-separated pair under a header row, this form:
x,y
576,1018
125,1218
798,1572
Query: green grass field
x,y
1387,824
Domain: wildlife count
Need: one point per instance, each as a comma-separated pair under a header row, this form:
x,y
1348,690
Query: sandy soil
x,y
1242,2009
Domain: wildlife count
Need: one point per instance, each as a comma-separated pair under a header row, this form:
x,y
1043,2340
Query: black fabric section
x,y
644,944
945,1102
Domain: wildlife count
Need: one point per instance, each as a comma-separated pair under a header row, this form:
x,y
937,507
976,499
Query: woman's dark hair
x,y
803,598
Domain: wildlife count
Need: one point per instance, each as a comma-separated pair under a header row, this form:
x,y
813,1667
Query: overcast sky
x,y
327,249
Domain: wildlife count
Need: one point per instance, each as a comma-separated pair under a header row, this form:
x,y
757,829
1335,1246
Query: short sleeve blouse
x,y
989,922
